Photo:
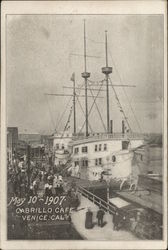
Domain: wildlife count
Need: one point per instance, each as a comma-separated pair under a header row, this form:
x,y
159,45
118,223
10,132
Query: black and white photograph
x,y
84,125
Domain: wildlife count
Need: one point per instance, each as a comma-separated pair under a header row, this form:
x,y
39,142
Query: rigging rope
x,y
126,93
68,121
135,117
84,116
98,110
120,106
69,117
92,104
63,113
95,82
79,90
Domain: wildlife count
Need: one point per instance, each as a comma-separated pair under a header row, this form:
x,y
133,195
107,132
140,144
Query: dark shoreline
x,y
58,233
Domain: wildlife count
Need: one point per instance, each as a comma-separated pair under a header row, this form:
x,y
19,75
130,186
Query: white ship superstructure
x,y
95,154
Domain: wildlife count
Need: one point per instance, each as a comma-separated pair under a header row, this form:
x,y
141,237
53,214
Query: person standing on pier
x,y
116,221
88,219
100,215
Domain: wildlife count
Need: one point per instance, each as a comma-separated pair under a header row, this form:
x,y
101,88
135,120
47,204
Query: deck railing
x,y
100,136
107,207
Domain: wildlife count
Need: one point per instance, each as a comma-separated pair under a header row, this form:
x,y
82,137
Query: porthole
x,y
113,158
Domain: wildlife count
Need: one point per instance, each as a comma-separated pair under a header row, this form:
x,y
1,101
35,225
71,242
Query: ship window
x,y
62,146
113,158
84,149
105,147
95,148
57,146
94,173
100,161
100,147
85,163
125,144
76,163
76,151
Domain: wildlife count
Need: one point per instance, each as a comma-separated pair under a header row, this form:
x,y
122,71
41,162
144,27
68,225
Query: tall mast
x,y
85,75
107,70
74,101
84,46
74,104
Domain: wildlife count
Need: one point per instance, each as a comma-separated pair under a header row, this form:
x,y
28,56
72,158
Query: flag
x,y
73,77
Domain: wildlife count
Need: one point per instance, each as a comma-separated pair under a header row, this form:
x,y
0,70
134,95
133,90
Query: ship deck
x,y
80,139
94,184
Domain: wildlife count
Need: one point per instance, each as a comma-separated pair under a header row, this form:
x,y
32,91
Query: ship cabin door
x,y
125,145
84,168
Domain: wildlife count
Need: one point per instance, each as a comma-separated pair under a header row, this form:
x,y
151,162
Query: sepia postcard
x,y
83,125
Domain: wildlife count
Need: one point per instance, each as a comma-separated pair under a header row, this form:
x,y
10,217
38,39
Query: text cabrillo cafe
x,y
43,214
37,209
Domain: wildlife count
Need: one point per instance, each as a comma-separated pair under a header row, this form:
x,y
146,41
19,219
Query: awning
x,y
152,201
118,202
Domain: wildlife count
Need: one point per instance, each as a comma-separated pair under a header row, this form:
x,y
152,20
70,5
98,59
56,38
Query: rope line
x,y
126,94
63,113
95,82
92,105
98,110
84,116
120,106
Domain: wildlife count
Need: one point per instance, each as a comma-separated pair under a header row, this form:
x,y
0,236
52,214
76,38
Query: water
x,y
44,232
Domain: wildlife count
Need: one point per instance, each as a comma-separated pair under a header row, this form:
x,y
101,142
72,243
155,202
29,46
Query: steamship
x,y
97,155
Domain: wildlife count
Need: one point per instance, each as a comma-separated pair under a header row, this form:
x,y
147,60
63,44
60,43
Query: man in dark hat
x,y
88,219
115,220
100,215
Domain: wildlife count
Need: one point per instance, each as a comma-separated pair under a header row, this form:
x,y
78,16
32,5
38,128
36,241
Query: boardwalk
x,y
97,233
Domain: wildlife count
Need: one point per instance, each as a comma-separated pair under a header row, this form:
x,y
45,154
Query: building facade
x,y
30,138
12,142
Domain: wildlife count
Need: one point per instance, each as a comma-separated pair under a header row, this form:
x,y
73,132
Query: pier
x,y
97,233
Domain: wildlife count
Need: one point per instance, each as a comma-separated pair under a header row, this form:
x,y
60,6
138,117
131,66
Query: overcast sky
x,y
39,61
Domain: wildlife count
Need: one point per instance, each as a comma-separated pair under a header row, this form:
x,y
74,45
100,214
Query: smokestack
x,y
123,127
111,126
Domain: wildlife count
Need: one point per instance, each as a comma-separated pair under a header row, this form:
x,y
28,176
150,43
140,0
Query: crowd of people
x,y
45,178
18,177
39,178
